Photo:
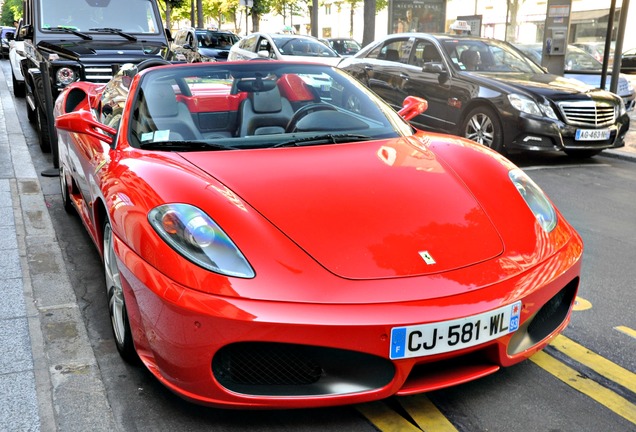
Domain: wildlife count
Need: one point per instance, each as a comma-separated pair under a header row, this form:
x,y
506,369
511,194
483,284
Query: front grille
x,y
98,73
280,369
588,113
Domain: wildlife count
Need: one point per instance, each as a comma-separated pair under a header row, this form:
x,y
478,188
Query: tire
x,y
31,114
43,129
66,192
482,125
116,301
18,87
581,154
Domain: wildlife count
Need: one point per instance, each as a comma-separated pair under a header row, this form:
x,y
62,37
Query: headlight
x,y
535,198
622,109
195,236
528,106
65,76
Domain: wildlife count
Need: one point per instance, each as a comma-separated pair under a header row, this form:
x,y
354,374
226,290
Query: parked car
x,y
582,66
283,47
344,46
265,247
628,61
16,55
488,91
6,34
596,50
200,45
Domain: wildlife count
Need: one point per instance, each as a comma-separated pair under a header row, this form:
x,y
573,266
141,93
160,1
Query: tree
x,y
168,7
512,24
368,33
11,12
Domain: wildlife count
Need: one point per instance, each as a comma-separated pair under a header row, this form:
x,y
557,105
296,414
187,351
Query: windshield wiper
x,y
184,146
114,31
69,30
323,139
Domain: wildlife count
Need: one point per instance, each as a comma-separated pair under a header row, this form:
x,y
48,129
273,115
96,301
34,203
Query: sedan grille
x,y
588,113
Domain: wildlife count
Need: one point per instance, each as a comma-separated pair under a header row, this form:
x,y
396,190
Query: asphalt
x,y
49,377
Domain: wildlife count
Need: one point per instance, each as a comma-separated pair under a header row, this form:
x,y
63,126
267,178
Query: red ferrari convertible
x,y
276,236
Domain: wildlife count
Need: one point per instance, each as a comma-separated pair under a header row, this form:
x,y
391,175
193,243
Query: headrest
x,y
161,100
267,101
293,88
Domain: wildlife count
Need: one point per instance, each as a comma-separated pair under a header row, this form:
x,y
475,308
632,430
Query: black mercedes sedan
x,y
488,91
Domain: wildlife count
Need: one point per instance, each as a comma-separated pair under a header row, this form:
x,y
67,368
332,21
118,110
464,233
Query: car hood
x,y
105,50
363,210
218,53
547,85
594,80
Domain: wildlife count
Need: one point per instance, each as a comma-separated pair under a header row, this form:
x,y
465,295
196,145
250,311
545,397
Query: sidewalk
x,y
49,377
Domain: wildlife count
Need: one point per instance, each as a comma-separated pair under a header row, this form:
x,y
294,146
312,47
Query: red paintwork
x,y
331,270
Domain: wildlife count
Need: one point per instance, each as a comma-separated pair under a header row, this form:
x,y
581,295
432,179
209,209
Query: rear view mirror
x,y
412,107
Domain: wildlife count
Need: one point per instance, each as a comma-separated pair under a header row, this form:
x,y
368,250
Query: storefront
x,y
428,16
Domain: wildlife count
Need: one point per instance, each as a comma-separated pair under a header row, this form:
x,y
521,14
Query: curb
x,y
68,384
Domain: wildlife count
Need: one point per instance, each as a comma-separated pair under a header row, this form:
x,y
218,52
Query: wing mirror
x,y
82,122
412,107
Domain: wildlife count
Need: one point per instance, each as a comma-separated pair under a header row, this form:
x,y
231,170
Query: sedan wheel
x,y
482,126
116,301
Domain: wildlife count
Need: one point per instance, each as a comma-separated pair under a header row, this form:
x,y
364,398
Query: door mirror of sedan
x,y
263,54
412,107
82,122
434,67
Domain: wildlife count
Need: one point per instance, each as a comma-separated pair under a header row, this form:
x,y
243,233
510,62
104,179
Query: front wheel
x,y
116,302
482,125
18,87
43,128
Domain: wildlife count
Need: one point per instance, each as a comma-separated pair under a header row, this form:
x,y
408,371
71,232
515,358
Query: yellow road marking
x,y
598,364
580,304
426,414
592,389
384,418
627,331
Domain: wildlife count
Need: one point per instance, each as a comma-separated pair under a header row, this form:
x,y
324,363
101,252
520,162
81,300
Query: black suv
x,y
80,40
201,45
488,91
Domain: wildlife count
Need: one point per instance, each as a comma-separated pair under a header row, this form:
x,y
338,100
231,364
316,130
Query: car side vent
x,y
588,113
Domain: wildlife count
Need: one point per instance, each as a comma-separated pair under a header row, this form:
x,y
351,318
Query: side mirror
x,y
412,107
263,53
433,67
82,122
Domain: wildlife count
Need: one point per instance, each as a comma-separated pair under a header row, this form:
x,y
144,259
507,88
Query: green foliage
x,y
11,11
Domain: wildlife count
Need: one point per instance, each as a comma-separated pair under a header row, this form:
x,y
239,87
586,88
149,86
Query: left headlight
x,y
195,236
535,198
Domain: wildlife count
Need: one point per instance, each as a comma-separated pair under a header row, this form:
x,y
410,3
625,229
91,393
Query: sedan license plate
x,y
592,134
427,339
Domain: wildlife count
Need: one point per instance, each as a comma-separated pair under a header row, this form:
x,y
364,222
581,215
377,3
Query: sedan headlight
x,y
535,198
65,76
195,236
528,106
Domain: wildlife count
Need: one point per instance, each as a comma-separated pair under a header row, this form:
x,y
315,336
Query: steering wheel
x,y
302,112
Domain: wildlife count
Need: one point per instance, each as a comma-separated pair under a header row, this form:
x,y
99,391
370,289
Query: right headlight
x,y
535,198
526,105
195,236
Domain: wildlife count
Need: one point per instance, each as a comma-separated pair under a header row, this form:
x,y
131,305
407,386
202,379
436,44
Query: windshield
x,y
306,47
86,16
487,56
216,40
256,105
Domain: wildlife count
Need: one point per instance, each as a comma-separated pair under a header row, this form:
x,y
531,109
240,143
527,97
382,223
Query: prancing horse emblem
x,y
428,259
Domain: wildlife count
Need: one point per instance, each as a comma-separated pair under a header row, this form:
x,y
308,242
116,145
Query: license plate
x,y
592,134
446,336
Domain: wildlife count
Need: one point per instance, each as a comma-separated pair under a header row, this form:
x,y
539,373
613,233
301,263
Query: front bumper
x,y
243,353
541,134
